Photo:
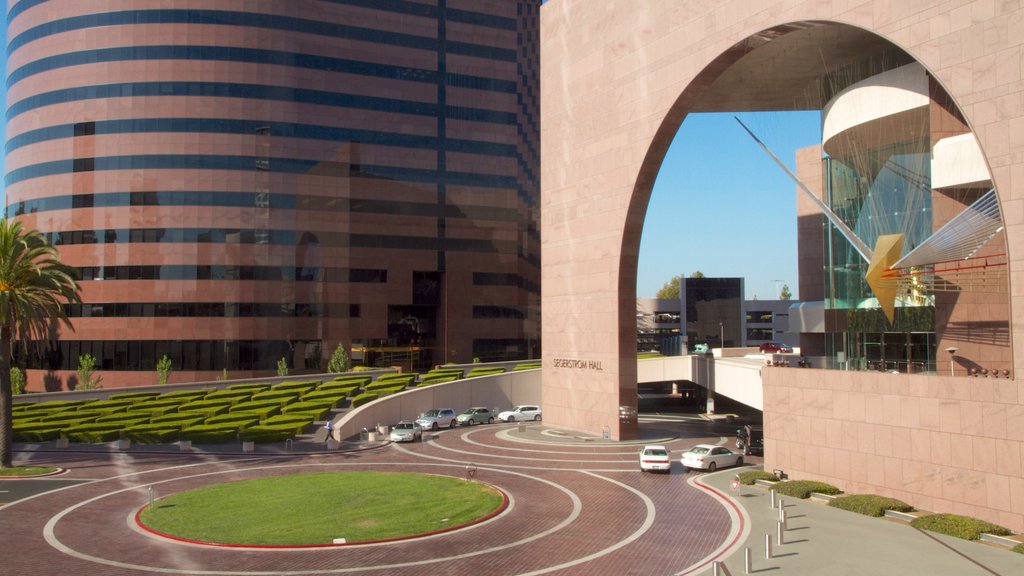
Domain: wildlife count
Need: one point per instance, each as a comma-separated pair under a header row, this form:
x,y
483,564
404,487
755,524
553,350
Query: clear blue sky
x,y
720,205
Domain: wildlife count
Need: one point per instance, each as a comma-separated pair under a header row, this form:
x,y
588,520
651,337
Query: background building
x,y
237,186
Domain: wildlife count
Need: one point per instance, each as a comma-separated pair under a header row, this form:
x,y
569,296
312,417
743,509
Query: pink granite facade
x,y
617,83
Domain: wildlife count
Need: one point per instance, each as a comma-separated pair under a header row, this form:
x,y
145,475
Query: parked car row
x,y
656,458
437,418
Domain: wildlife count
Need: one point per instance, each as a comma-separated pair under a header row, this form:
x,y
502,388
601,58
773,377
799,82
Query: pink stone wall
x,y
940,443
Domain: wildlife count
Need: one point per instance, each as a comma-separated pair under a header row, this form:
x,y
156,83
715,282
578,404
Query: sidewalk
x,y
825,540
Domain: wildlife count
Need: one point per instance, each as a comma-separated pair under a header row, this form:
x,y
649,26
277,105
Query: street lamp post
x,y
952,351
721,334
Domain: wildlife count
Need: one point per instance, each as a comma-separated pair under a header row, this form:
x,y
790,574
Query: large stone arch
x,y
618,79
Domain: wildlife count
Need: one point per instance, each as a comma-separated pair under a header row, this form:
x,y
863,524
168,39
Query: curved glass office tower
x,y
241,182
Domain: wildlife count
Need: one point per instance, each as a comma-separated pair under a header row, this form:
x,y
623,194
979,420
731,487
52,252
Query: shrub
x,y
432,381
133,396
301,419
803,488
179,419
311,406
206,407
295,385
17,380
341,388
364,398
870,504
266,434
484,372
959,526
263,408
252,386
526,366
357,381
193,394
109,406
152,433
310,415
232,418
396,376
1019,549
36,431
234,396
382,392
282,396
327,395
210,433
339,360
87,377
749,477
158,407
163,370
94,433
58,405
125,419
81,416
282,367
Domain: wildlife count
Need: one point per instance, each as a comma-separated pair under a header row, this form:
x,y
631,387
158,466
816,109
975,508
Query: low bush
x,y
233,395
151,433
357,381
108,406
484,372
382,392
749,477
193,394
58,405
207,407
253,386
311,406
457,372
282,396
310,415
267,434
297,418
94,433
154,410
261,409
870,504
432,381
36,432
210,433
295,385
959,526
402,376
180,419
803,488
332,396
364,398
125,419
25,418
338,388
72,416
239,420
1019,549
134,396
526,366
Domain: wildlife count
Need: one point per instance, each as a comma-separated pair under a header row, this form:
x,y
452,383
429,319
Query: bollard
x,y
767,546
714,568
150,496
288,444
778,530
746,560
772,492
782,520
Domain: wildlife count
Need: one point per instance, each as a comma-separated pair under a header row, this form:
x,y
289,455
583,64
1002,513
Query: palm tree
x,y
33,285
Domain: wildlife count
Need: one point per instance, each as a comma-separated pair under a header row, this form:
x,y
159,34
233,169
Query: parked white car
x,y
437,418
710,457
655,458
520,413
406,431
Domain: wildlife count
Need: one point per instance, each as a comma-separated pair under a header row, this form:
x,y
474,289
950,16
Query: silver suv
x,y
438,418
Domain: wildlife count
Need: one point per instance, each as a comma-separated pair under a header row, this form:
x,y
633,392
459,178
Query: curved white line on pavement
x,y
512,466
507,435
534,459
738,533
644,527
51,539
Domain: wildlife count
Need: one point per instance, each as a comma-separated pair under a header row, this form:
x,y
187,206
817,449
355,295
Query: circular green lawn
x,y
317,508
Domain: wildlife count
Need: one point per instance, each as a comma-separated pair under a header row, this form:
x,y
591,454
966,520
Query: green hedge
x,y
267,434
526,366
192,394
207,407
21,406
338,388
1019,549
295,385
36,432
357,381
282,396
444,372
108,406
238,419
437,379
233,395
803,488
870,504
959,526
154,410
311,406
125,419
133,396
261,409
152,433
311,415
254,387
327,395
94,433
364,398
396,376
484,372
179,419
210,433
58,405
20,418
296,418
64,417
748,477
386,385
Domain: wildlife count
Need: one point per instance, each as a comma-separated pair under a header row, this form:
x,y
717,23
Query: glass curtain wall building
x,y
237,186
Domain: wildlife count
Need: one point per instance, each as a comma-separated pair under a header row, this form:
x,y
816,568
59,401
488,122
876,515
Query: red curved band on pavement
x,y
725,551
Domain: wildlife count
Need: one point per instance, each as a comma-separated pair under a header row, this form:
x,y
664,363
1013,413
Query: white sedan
x,y
520,413
710,457
655,458
406,431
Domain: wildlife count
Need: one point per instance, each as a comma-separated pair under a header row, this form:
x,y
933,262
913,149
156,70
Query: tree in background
x,y
670,290
339,360
785,294
87,377
163,370
34,285
17,380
